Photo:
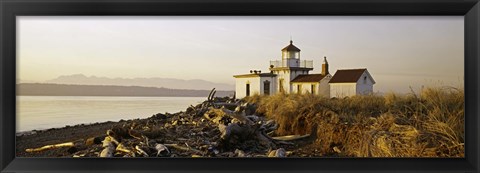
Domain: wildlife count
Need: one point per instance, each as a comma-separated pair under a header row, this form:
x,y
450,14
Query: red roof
x,y
308,78
347,76
291,47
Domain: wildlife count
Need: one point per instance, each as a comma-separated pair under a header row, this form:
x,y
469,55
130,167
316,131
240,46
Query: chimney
x,y
325,66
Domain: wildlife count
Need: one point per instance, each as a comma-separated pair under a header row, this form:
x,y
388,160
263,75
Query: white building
x,y
289,68
255,83
291,75
313,83
350,82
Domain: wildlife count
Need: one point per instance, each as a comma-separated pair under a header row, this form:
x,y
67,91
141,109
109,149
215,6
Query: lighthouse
x,y
290,74
289,67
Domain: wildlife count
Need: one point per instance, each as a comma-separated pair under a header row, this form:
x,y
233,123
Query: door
x,y
266,87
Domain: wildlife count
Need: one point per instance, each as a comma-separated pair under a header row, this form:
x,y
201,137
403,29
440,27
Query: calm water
x,y
43,112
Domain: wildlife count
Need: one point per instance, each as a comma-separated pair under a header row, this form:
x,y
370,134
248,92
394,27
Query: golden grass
x,y
428,124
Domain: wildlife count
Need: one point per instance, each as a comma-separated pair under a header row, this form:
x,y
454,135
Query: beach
x,y
187,133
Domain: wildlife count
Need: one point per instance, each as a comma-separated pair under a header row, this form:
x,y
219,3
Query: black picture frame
x,y
9,9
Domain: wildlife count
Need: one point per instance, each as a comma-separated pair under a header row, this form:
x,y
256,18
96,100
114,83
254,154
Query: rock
x,y
107,151
240,153
277,153
159,116
94,140
72,150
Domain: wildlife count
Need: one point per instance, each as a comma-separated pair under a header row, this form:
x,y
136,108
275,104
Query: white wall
x,y
241,86
306,87
293,75
361,87
293,62
341,90
273,84
364,87
324,88
321,88
256,86
285,75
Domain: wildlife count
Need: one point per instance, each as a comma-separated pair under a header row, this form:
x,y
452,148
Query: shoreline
x,y
37,113
40,138
189,133
32,132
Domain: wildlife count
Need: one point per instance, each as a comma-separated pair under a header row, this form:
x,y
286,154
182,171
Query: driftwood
x,y
108,145
141,151
218,127
239,115
94,140
216,115
229,106
162,150
269,126
202,108
136,134
107,151
291,137
239,153
211,95
73,146
122,148
48,147
235,129
178,147
236,123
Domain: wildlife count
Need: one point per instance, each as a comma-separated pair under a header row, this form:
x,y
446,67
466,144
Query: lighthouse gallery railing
x,y
292,63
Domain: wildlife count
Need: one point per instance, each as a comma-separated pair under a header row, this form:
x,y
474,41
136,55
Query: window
x,y
299,88
266,87
248,89
281,86
365,80
313,89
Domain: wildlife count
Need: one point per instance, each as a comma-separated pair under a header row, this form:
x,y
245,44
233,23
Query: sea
x,y
44,112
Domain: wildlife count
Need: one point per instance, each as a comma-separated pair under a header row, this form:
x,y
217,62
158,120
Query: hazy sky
x,y
398,51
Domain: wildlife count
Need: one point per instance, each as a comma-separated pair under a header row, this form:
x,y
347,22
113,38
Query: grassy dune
x,y
428,124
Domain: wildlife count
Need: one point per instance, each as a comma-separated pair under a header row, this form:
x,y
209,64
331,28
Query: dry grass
x,y
428,124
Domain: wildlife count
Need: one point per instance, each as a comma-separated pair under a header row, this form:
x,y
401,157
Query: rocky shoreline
x,y
219,127
33,139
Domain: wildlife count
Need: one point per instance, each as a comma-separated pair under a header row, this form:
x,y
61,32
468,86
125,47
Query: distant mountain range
x,y
41,89
196,84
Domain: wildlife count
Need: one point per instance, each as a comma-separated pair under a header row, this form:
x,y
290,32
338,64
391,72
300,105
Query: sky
x,y
399,51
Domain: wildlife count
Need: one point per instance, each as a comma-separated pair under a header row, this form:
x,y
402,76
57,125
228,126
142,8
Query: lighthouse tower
x,y
289,67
